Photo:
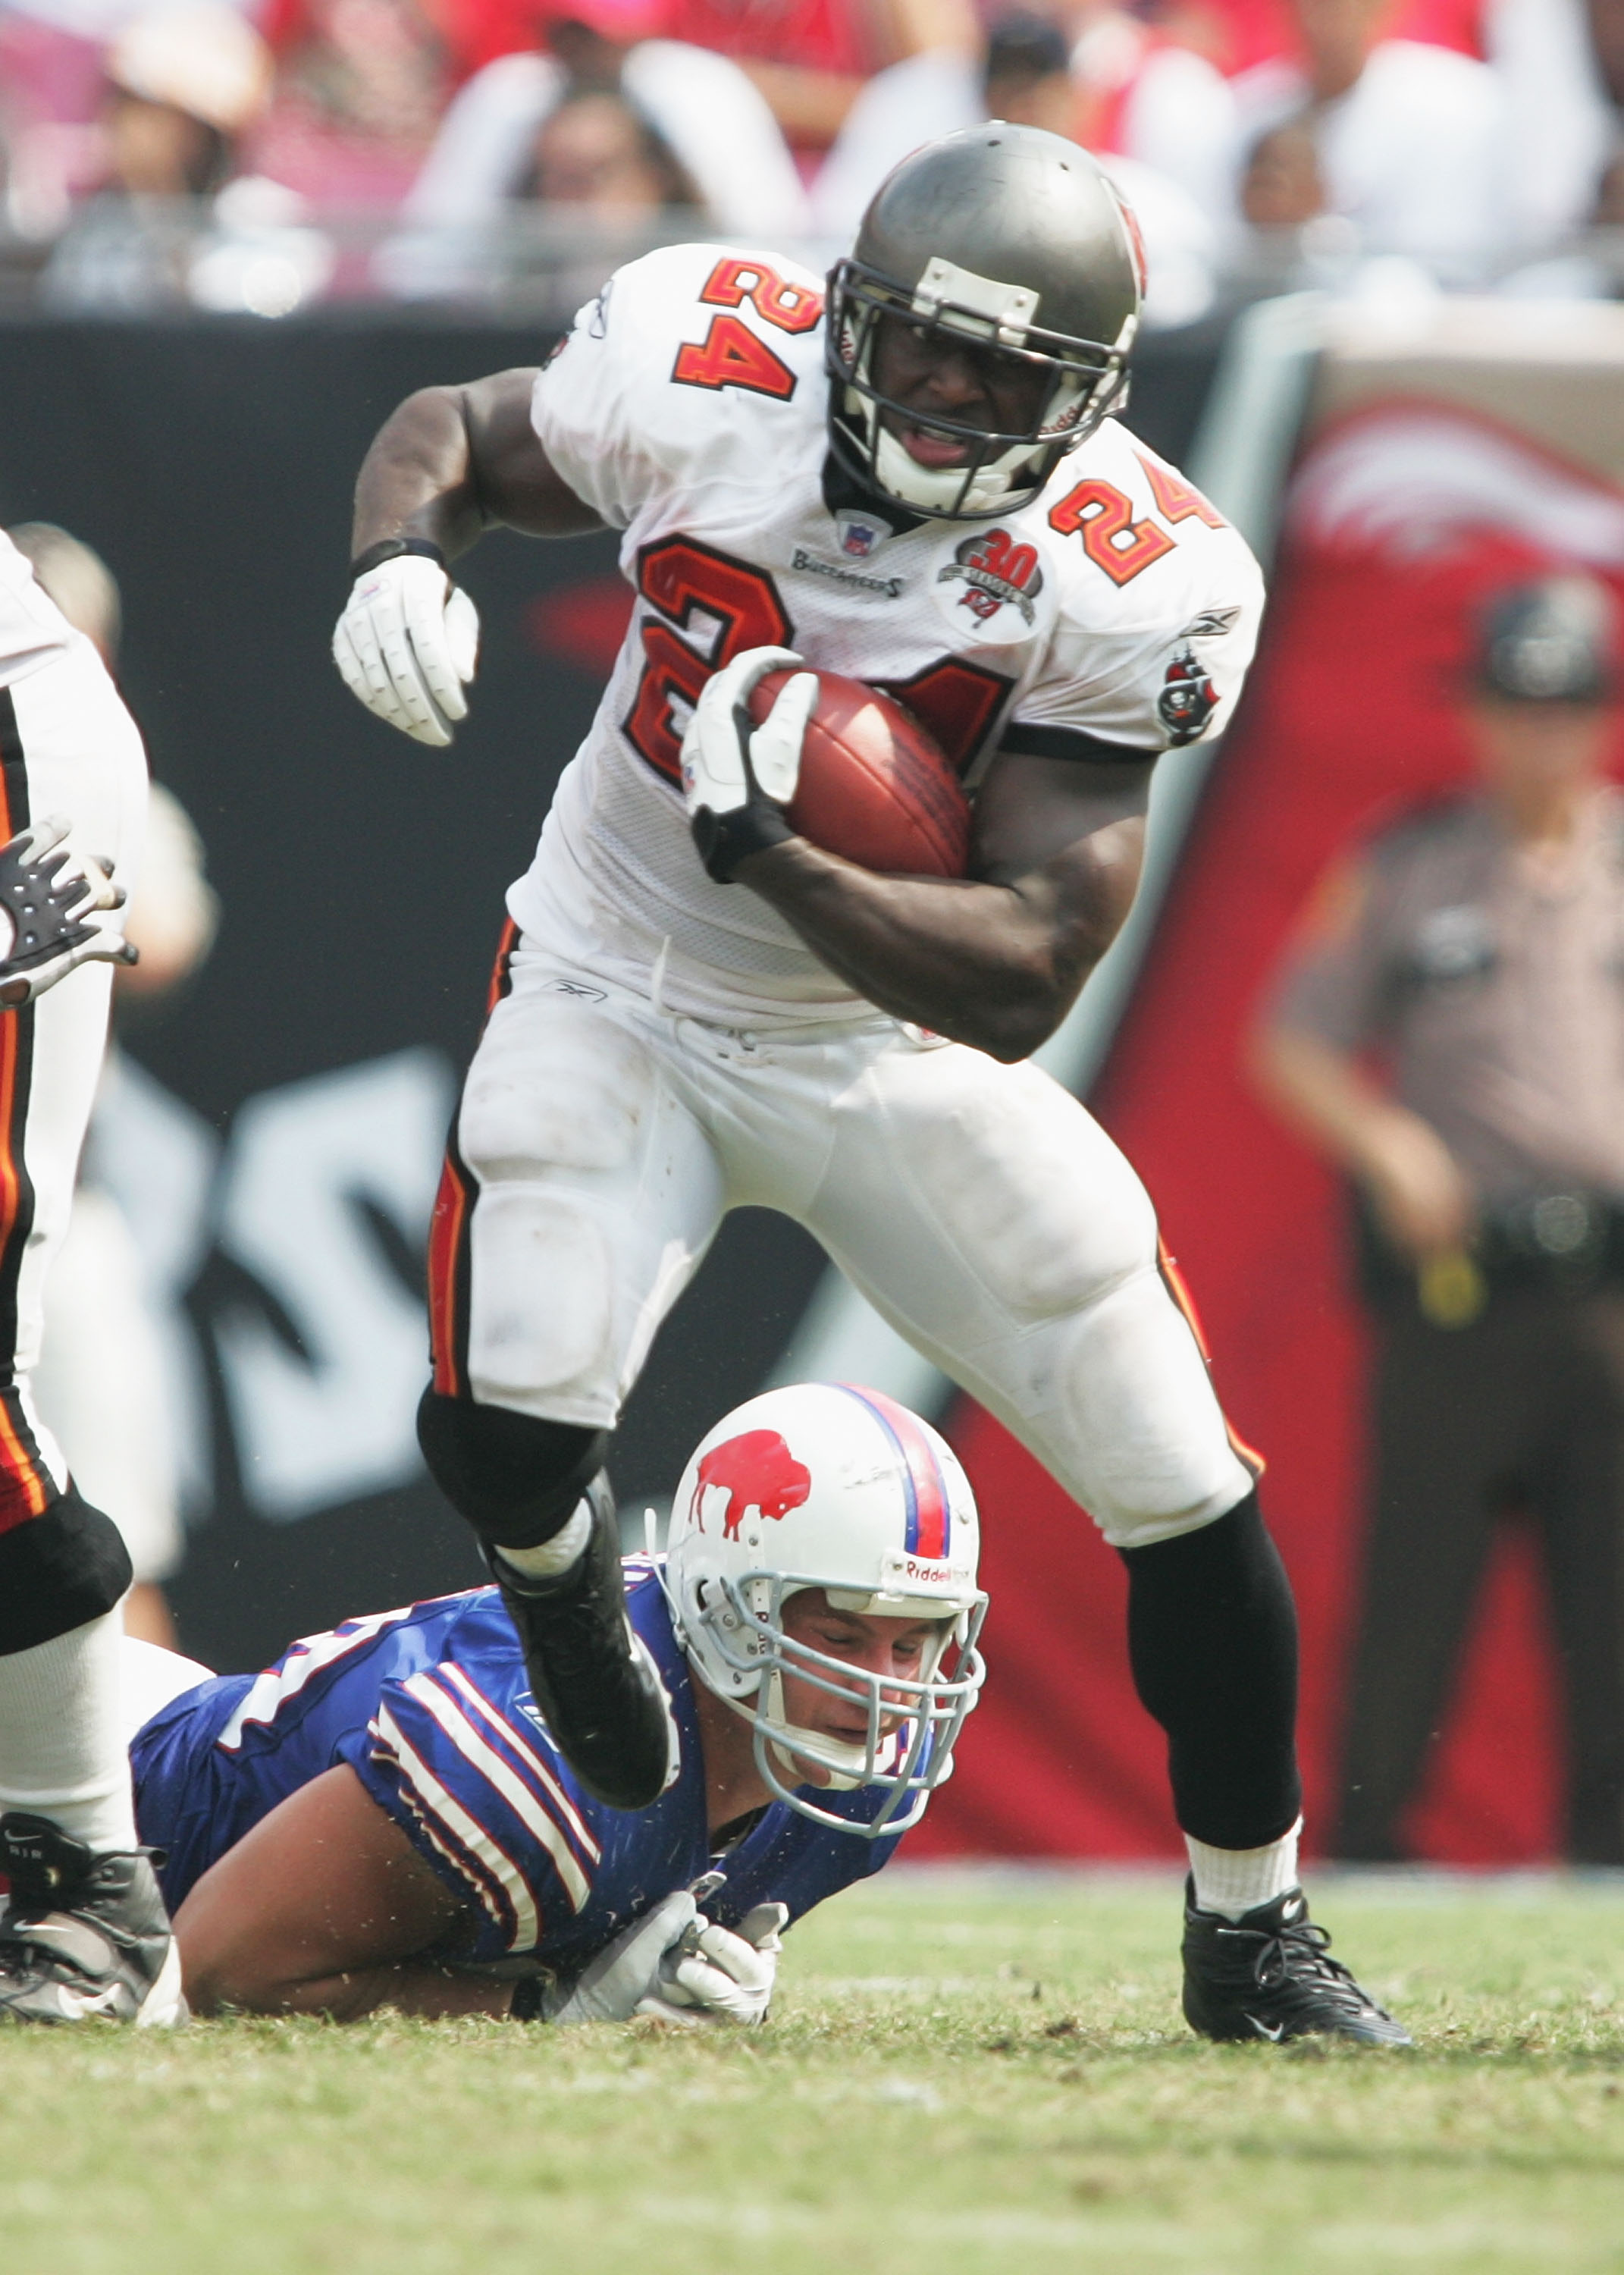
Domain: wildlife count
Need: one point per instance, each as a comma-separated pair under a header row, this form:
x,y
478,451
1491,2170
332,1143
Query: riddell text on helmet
x,y
928,1571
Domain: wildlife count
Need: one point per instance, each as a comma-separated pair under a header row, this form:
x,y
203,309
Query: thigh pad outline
x,y
1038,1201
554,1086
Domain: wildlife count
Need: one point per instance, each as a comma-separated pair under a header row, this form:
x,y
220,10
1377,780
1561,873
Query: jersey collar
x,y
846,497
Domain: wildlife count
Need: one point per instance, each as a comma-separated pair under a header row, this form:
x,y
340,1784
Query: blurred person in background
x,y
1410,139
596,150
1281,184
1561,66
100,1384
811,58
1147,88
359,89
1019,71
1238,34
1022,71
184,82
53,80
705,125
1476,950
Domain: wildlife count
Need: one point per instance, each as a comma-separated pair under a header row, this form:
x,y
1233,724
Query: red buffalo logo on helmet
x,y
755,1470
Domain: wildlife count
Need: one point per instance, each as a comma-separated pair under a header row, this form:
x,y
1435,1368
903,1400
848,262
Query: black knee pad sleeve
x,y
1212,1638
515,1478
57,1571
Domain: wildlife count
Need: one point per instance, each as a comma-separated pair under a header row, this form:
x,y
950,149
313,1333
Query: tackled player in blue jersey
x,y
382,1815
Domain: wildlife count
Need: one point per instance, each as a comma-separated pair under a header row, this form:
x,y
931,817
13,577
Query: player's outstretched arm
x,y
996,960
324,1907
451,463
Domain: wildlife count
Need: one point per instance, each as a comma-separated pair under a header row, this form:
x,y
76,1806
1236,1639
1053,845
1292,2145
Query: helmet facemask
x,y
1087,379
742,1654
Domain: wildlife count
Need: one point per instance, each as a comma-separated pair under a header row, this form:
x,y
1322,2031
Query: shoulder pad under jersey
x,y
664,377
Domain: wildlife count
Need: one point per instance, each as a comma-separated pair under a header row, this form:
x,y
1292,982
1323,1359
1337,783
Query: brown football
x,y
874,786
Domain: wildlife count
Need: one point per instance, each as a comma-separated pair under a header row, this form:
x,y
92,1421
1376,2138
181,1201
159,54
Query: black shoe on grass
x,y
1268,1974
593,1681
83,1935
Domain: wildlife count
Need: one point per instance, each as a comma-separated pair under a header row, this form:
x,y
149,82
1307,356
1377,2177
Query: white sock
x,y
1234,1880
62,1746
549,1558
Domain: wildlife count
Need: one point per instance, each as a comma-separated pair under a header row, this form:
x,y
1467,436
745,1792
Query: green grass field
x,y
966,2072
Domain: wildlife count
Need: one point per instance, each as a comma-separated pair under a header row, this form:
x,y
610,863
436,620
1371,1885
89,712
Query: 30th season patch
x,y
993,589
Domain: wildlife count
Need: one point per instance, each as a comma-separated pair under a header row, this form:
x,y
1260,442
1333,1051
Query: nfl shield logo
x,y
859,534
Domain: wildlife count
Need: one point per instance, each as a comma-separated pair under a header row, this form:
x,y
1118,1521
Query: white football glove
x,y
624,1979
407,644
725,1975
738,778
49,906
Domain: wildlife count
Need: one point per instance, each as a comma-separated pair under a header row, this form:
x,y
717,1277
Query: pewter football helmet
x,y
1016,239
824,1485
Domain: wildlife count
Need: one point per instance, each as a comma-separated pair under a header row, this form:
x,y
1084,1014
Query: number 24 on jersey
x,y
731,354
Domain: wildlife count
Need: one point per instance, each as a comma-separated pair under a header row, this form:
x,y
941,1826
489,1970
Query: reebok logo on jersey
x,y
889,588
1211,624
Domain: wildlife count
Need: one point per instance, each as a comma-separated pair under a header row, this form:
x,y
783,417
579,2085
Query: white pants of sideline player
x,y
75,752
100,1386
980,1208
67,746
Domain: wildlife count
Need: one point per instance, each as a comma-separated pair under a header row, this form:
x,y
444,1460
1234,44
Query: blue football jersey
x,y
431,1707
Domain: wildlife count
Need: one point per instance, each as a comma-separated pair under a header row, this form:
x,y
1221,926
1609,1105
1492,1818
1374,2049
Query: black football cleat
x,y
594,1681
83,1935
1268,1974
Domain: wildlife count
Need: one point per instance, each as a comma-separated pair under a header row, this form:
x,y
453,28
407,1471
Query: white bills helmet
x,y
826,1485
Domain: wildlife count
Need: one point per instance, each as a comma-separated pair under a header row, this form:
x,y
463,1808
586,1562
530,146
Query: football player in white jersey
x,y
83,1931
916,479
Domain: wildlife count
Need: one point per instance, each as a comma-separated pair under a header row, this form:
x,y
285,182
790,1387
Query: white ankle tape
x,y
1235,1880
549,1558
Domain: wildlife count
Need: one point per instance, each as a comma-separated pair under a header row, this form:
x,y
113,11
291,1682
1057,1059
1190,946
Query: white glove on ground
x,y
624,1979
407,644
738,778
49,906
722,1974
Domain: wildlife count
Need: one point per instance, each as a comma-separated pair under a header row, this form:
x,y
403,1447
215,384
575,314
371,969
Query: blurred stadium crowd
x,y
507,153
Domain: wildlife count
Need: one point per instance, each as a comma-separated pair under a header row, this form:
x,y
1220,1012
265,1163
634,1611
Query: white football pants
x,y
67,746
981,1210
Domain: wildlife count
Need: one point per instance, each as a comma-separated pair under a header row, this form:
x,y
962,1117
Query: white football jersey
x,y
33,629
687,407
